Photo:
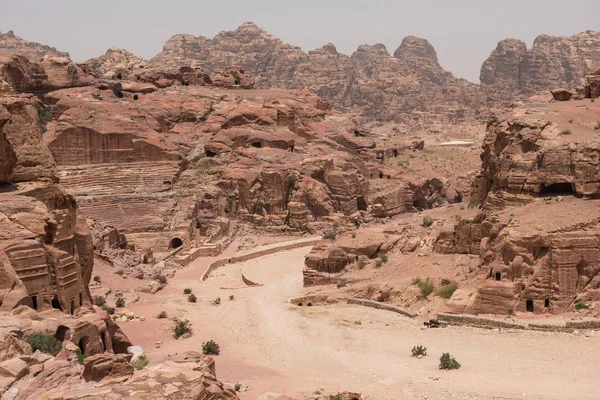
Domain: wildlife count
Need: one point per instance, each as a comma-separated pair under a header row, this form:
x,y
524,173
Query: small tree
x,y
211,348
192,298
187,291
45,343
120,303
448,362
419,351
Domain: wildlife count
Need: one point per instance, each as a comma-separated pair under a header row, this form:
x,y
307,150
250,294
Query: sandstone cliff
x,y
552,62
370,82
14,45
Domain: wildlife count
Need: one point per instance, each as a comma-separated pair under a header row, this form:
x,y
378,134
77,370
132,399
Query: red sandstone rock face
x,y
370,81
524,157
552,62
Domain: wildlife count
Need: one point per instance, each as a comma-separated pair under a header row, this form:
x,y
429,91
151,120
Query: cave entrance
x,y
63,333
120,95
557,189
237,82
83,342
498,276
80,299
119,76
209,153
34,303
420,204
529,305
73,307
291,148
136,97
361,203
395,153
56,303
380,175
547,303
258,145
175,243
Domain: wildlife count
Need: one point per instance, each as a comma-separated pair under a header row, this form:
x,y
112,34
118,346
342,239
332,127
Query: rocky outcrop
x,y
370,81
594,84
14,45
552,62
524,157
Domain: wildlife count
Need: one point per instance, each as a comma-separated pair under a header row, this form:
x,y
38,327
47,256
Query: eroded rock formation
x,y
552,62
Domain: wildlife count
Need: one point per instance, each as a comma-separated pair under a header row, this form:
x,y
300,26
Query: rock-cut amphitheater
x,y
236,218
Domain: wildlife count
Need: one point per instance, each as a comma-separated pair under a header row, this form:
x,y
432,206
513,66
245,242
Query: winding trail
x,y
274,346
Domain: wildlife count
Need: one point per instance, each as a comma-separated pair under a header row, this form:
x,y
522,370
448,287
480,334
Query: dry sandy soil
x,y
271,345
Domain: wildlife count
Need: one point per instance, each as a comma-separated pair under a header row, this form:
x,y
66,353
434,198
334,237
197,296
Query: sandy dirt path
x,y
273,346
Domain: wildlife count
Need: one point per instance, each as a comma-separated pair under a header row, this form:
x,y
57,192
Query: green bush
x,y
45,343
353,235
140,362
446,291
109,310
181,328
329,236
426,286
597,127
216,301
237,387
99,301
566,132
259,207
45,114
378,263
120,303
419,351
187,291
197,157
211,348
383,256
81,358
162,315
120,272
160,278
361,264
580,305
448,362
427,221
192,298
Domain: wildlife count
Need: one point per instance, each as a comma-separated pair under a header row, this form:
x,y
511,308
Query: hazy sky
x,y
463,32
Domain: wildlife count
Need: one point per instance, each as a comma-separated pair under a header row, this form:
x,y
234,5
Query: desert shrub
x,y
378,263
419,351
211,348
216,301
566,132
187,291
192,298
45,343
237,387
580,305
371,290
160,278
197,157
140,362
109,310
426,286
231,297
427,221
181,328
120,272
353,235
45,114
99,301
448,362
337,397
383,256
81,358
97,279
259,207
446,291
336,226
162,315
597,127
361,264
120,303
384,296
329,236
